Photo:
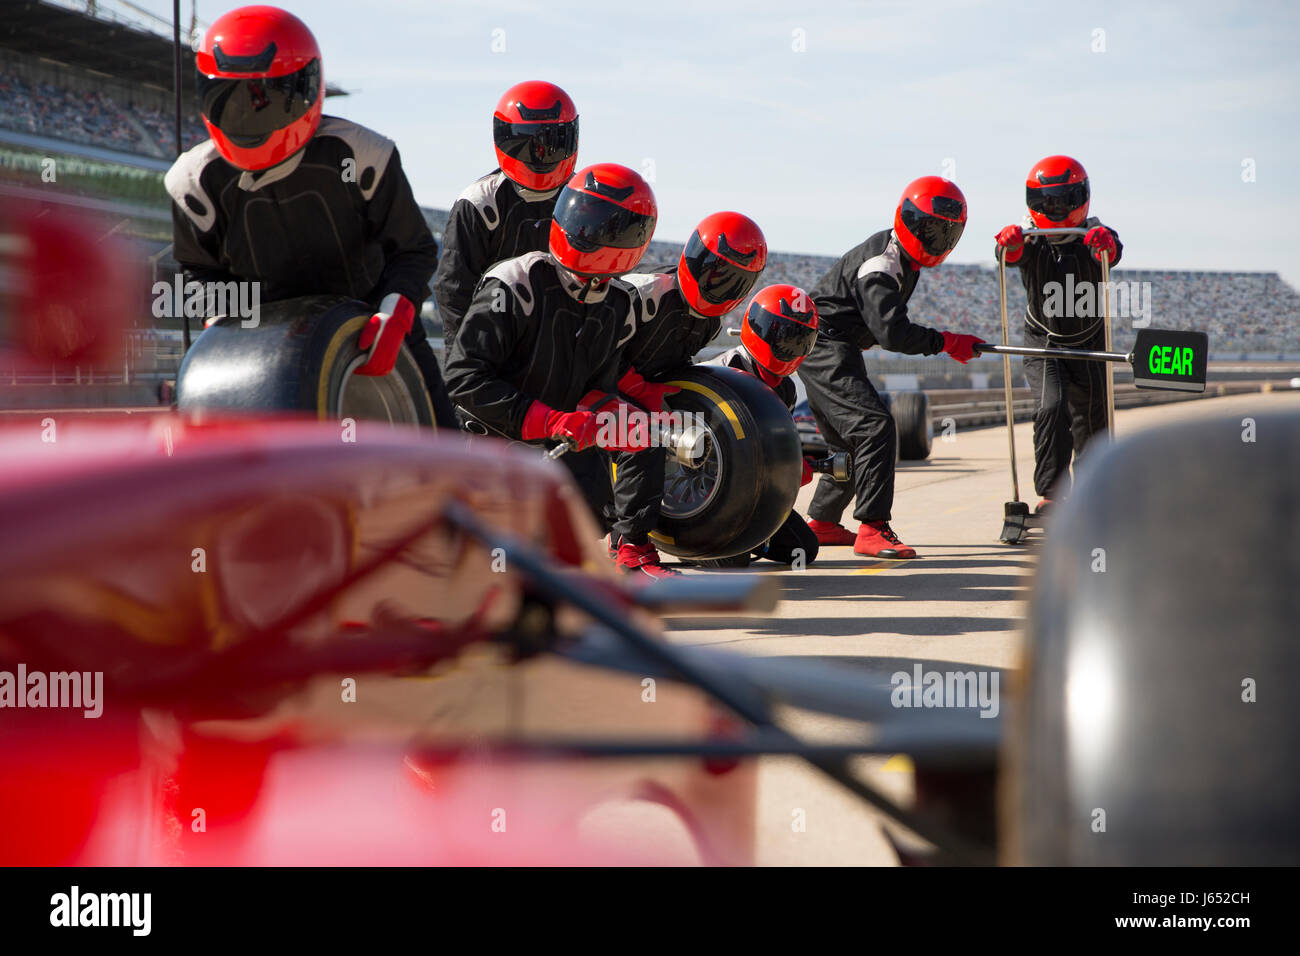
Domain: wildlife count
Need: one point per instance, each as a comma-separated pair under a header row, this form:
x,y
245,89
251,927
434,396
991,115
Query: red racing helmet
x,y
260,85
535,129
930,218
780,328
721,262
603,221
1057,193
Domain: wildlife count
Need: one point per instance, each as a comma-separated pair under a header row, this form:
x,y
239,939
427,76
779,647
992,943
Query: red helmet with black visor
x,y
260,85
780,328
930,219
721,262
535,130
1057,193
603,221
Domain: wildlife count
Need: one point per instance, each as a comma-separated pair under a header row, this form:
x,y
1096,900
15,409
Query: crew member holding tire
x,y
1069,396
778,333
508,212
675,312
537,357
298,202
862,301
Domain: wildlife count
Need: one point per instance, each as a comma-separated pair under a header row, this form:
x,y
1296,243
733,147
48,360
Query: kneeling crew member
x,y
675,313
779,331
536,357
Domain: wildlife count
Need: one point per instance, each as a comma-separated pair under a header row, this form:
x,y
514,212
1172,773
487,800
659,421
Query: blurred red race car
x,y
287,651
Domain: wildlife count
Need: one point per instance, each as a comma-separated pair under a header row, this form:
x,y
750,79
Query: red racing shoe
x,y
642,560
877,540
831,532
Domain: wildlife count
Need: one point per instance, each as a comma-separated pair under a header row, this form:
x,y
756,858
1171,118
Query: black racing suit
x,y
493,219
794,540
1069,397
529,335
660,335
861,301
336,217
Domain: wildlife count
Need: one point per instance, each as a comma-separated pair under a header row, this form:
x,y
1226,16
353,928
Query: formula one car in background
x,y
914,428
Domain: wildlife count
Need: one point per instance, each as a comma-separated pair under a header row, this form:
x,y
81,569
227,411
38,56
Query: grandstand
x,y
93,92
91,81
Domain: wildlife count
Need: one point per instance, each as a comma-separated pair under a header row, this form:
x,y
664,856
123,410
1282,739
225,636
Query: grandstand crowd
x,y
1242,312
93,118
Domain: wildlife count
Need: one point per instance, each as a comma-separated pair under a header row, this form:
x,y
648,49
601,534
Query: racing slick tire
x,y
1144,642
300,356
746,479
911,411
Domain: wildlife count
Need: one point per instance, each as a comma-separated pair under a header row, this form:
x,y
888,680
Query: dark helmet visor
x,y
1056,202
788,338
248,110
719,280
591,222
936,235
539,146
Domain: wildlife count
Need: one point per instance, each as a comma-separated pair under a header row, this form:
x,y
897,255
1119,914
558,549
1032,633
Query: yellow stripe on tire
x,y
350,328
723,405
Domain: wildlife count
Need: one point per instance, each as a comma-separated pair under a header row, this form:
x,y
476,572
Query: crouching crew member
x,y
536,357
508,212
268,198
779,331
1069,397
862,301
675,313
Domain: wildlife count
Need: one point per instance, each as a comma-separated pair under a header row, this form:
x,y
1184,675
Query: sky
x,y
812,117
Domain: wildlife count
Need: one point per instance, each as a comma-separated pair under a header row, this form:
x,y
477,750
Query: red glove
x,y
384,333
629,425
961,346
637,437
1100,239
1012,239
646,394
542,421
807,473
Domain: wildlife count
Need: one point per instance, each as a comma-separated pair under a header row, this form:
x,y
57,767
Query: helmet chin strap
x,y
593,283
580,287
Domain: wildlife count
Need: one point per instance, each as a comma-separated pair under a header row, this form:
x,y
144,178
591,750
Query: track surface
x,y
960,601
